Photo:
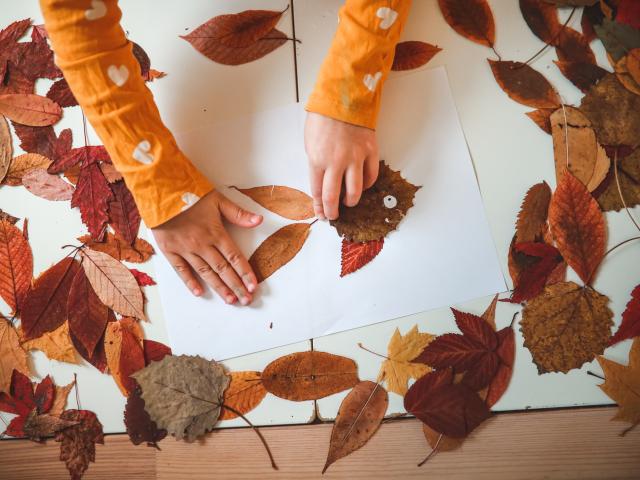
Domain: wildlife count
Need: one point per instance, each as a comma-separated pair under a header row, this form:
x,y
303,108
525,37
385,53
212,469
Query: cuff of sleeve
x,y
367,117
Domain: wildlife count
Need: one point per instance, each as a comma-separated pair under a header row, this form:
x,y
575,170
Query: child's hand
x,y
196,241
338,150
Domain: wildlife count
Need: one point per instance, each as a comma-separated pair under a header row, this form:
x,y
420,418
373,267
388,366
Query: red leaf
x,y
140,427
506,352
533,278
629,13
142,278
60,93
44,393
630,326
16,426
83,156
356,255
413,54
16,265
45,306
583,75
587,27
99,357
77,447
92,196
131,359
451,409
20,399
44,141
35,58
476,328
8,38
154,351
123,213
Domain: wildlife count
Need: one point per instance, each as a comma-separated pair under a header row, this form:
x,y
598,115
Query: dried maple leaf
x,y
143,279
12,355
183,394
113,283
56,345
45,306
572,46
60,93
284,201
16,265
154,351
381,208
359,416
566,326
278,249
6,148
578,227
622,384
309,375
583,75
44,141
472,19
542,19
532,217
613,111
356,255
532,279
23,164
524,84
30,109
78,443
139,252
541,118
34,59
244,393
449,408
399,366
630,326
413,54
92,196
140,427
629,179
44,185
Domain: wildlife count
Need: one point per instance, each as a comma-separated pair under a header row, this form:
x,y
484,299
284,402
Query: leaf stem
x,y
496,52
433,451
595,375
548,44
371,351
255,429
513,320
75,384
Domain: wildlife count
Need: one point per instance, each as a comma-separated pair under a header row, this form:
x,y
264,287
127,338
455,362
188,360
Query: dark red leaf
x,y
587,28
413,54
143,279
154,351
506,352
583,75
92,196
20,399
140,427
44,141
476,328
123,213
629,13
60,93
572,46
35,59
630,326
83,156
99,357
44,394
356,255
131,359
8,38
533,277
16,426
542,18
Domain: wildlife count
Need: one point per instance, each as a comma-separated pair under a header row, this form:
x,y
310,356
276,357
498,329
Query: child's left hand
x,y
337,151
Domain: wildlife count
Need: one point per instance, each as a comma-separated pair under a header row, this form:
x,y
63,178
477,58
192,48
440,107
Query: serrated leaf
x,y
16,265
630,325
92,196
356,255
139,252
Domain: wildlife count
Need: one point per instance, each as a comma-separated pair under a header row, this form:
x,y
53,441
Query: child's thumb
x,y
239,216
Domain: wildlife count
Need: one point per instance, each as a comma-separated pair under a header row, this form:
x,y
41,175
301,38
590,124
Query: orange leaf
x,y
413,54
56,345
244,393
6,148
12,356
284,201
278,249
470,18
541,118
16,265
123,348
524,84
30,109
577,224
23,164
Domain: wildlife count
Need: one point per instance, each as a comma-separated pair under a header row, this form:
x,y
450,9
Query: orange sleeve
x,y
97,61
350,81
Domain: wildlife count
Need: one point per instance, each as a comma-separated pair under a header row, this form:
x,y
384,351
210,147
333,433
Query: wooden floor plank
x,y
562,444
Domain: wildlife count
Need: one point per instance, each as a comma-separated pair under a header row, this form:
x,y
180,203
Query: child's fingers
x,y
184,271
316,175
331,185
371,167
353,182
233,268
239,216
211,278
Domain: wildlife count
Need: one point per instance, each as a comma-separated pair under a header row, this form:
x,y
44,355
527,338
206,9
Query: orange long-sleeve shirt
x,y
97,61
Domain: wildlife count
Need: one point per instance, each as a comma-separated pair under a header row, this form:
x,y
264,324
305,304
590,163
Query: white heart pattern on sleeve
x,y
142,152
118,75
189,200
387,17
370,81
98,10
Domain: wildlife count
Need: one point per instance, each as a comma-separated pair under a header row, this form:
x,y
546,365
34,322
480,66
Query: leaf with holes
x,y
524,84
244,393
356,255
472,19
30,109
284,201
413,54
630,326
278,249
16,265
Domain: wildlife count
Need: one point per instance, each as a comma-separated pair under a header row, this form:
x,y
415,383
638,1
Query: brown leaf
x,y
572,46
380,210
60,93
244,393
542,19
16,265
278,249
123,213
582,74
633,64
284,201
7,217
12,356
78,443
56,345
524,84
23,164
576,149
139,252
309,375
566,326
359,416
44,425
50,187
29,109
541,118
532,218
140,427
470,18
613,111
629,178
578,227
625,77
6,148
413,54
113,283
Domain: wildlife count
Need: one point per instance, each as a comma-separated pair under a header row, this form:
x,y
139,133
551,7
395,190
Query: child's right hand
x,y
196,242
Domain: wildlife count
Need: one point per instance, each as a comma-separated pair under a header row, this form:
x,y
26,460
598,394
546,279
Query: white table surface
x,y
510,154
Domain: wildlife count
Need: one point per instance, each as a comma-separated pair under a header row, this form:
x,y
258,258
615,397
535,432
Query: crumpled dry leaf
x,y
399,366
413,54
284,201
472,19
183,394
566,326
16,265
56,345
524,85
23,164
139,252
381,208
38,426
359,416
278,249
244,393
78,442
30,109
309,375
12,355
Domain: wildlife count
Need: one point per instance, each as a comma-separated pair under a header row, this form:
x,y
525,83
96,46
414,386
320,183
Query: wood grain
x,y
567,444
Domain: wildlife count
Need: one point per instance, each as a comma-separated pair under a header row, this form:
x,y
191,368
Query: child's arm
x,y
97,61
343,108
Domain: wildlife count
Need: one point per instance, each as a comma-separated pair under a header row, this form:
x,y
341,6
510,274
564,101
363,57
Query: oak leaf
x,y
472,19
532,217
23,164
309,375
56,345
140,427
244,393
30,109
542,19
284,201
622,384
92,196
578,227
399,366
139,252
123,213
113,283
278,249
183,394
356,255
12,355
566,326
413,54
16,265
359,416
524,84
6,148
44,185
630,326
78,443
45,307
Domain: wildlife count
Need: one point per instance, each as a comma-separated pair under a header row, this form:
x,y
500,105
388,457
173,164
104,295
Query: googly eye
x,y
390,201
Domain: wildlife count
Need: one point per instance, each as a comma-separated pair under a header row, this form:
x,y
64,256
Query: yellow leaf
x,y
398,368
12,356
622,384
56,345
60,399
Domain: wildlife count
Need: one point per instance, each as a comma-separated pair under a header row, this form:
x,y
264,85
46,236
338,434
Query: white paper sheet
x,y
441,254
